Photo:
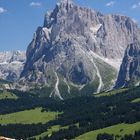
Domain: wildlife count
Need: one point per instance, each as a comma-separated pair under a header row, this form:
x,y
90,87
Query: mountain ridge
x,y
11,64
77,50
78,46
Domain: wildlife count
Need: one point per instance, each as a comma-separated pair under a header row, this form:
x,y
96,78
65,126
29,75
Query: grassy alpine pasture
x,y
7,95
136,100
110,93
50,131
28,117
118,130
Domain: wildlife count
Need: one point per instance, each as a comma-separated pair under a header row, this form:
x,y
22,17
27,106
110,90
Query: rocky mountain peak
x,y
77,48
61,8
65,2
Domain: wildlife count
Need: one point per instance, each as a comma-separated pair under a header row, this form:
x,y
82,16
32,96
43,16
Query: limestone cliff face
x,y
129,74
77,47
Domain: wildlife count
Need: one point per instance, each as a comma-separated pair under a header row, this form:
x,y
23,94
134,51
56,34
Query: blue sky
x,y
20,18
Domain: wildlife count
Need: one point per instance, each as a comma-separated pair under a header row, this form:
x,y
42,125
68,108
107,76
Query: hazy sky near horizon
x,y
20,18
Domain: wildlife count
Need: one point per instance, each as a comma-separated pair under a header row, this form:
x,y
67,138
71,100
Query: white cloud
x,y
111,3
134,6
2,10
35,4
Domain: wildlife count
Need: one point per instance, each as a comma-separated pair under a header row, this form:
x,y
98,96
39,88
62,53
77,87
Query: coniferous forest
x,y
80,115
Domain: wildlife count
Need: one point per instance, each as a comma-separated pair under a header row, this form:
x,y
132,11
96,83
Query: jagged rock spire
x,y
65,3
51,17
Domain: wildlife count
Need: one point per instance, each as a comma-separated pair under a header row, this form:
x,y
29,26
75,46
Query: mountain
x,y
11,65
77,49
129,74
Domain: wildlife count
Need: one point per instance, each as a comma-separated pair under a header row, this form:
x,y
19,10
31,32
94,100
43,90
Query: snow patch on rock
x,y
116,63
95,29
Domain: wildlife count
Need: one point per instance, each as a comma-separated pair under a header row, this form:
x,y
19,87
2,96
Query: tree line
x,y
106,136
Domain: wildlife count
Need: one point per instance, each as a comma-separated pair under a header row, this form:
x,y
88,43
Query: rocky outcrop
x,y
78,46
129,74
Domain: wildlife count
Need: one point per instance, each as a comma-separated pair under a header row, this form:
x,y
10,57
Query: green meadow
x,y
28,117
7,95
118,130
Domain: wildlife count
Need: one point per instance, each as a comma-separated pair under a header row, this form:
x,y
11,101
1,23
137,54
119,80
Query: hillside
x,y
85,116
118,131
